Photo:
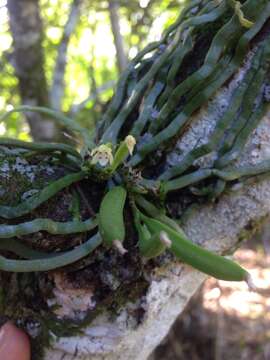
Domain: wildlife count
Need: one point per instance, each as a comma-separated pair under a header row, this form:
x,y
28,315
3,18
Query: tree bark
x,y
28,62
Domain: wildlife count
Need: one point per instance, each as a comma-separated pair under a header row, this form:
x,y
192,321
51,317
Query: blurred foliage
x,y
91,70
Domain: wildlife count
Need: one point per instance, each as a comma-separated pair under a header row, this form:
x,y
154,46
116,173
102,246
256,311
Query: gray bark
x,y
28,61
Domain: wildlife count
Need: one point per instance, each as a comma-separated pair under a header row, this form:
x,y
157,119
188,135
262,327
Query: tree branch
x,y
58,84
118,40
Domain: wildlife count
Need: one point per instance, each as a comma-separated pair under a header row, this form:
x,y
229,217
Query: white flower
x,y
102,155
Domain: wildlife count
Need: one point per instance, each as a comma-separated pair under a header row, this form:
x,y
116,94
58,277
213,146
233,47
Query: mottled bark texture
x,y
28,62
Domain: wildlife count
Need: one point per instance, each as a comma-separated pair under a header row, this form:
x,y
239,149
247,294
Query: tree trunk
x,y
114,306
28,62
